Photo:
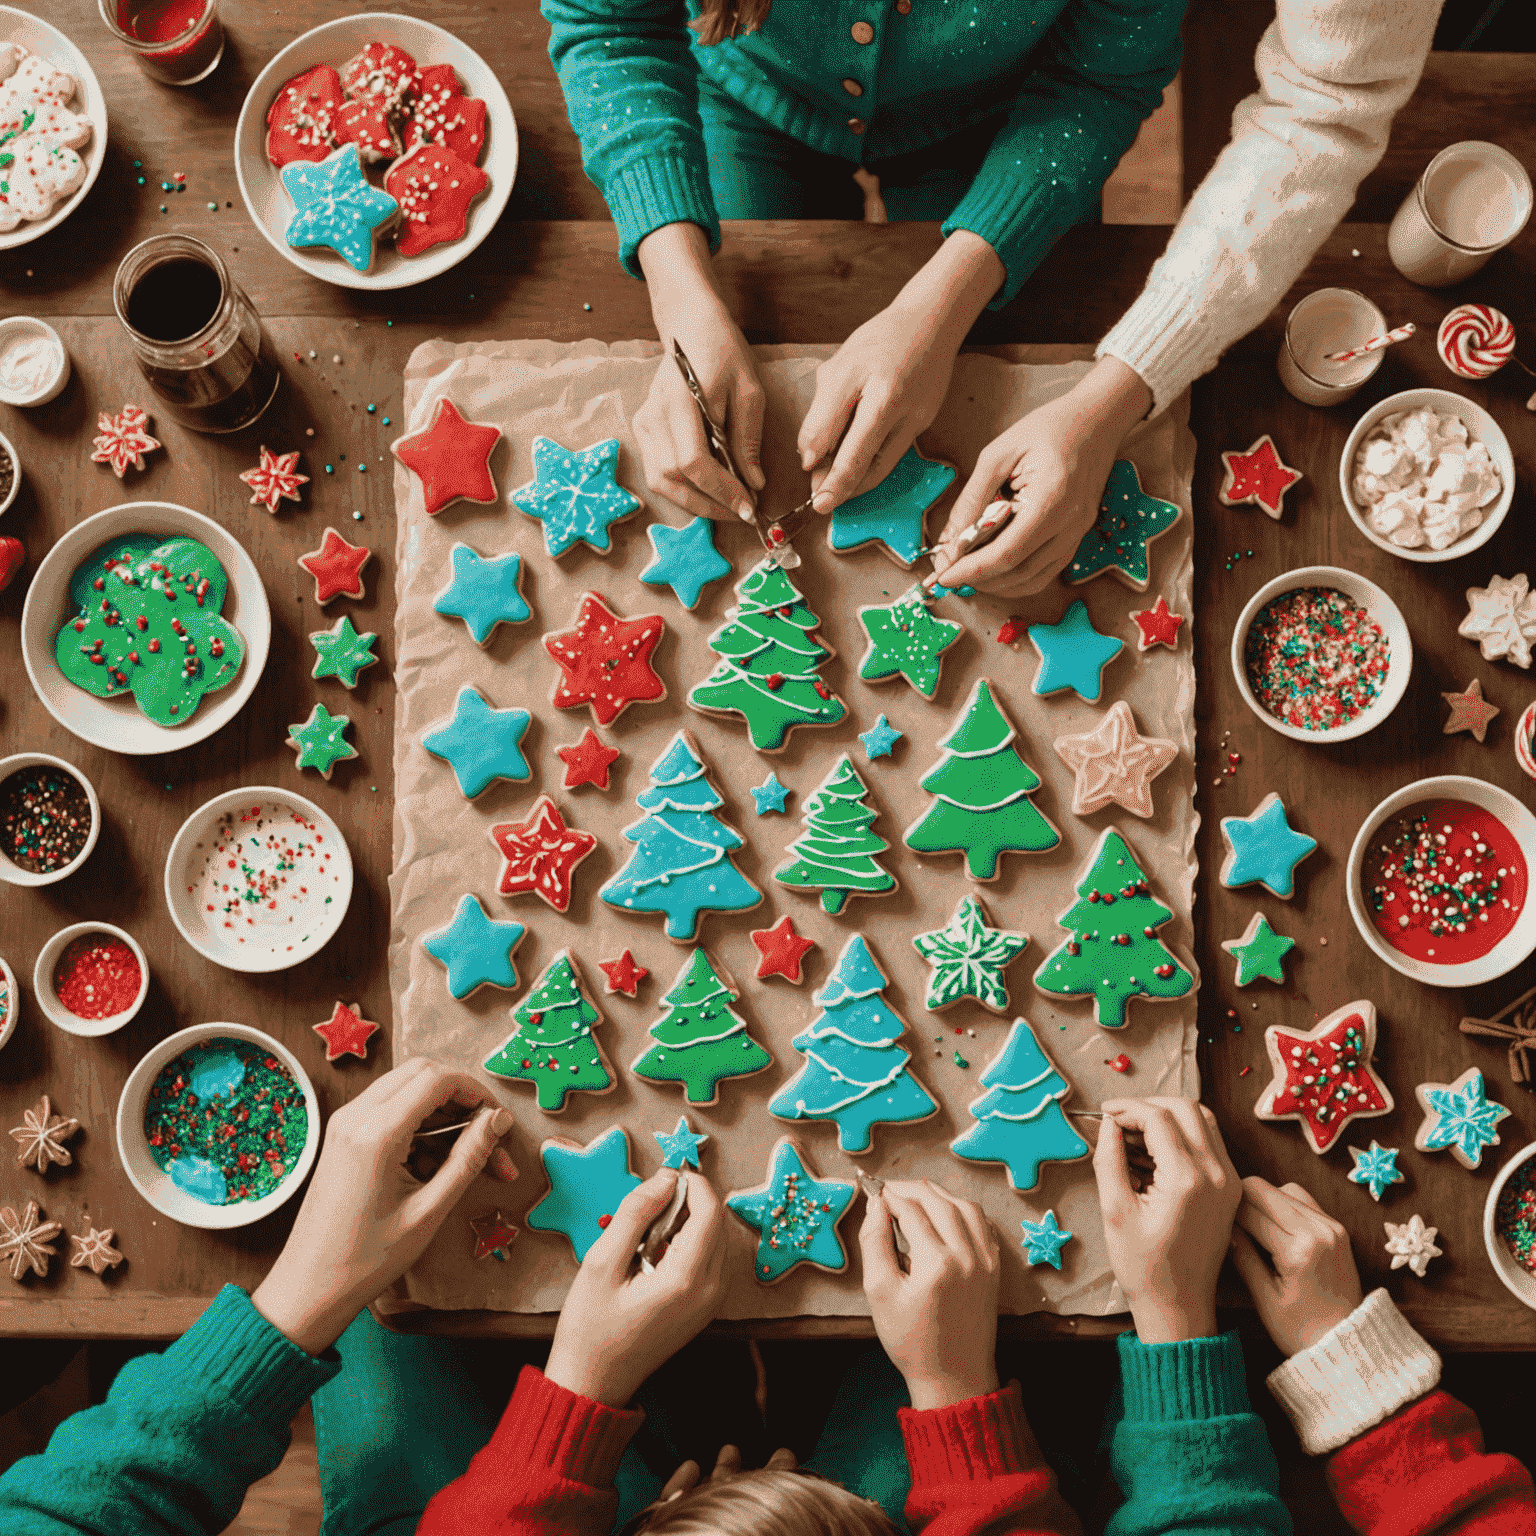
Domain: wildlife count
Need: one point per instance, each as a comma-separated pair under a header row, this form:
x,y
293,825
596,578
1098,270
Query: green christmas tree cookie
x,y
554,1046
837,853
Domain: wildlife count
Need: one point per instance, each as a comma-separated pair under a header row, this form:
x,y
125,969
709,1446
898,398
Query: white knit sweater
x,y
1332,74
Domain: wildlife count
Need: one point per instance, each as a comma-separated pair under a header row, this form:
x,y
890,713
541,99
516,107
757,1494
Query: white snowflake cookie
x,y
1412,1244
39,136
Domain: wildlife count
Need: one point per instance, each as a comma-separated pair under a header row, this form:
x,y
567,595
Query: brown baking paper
x,y
578,394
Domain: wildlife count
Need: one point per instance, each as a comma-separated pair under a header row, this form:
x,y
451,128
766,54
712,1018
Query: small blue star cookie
x,y
1128,521
685,559
1264,849
770,795
892,513
1044,1240
1459,1115
681,1145
879,739
336,206
575,495
480,743
483,591
476,949
586,1186
795,1215
1073,654
1376,1168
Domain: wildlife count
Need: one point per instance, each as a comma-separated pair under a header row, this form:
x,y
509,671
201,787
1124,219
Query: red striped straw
x,y
1375,344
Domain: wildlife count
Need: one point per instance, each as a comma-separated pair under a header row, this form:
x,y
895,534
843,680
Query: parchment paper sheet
x,y
578,394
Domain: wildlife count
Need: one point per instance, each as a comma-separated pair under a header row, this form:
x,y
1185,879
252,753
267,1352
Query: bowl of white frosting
x,y
1427,475
34,363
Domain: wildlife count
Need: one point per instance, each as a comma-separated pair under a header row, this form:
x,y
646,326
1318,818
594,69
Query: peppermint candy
x,y
1475,341
1525,740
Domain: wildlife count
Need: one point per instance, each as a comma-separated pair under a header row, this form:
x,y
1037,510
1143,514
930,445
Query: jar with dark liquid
x,y
198,341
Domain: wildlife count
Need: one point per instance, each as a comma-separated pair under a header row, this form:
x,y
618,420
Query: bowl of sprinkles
x,y
218,1125
49,819
1321,654
1509,1225
10,1001
258,879
90,979
1439,878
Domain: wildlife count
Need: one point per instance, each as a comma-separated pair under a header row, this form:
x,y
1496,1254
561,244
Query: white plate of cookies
x,y
376,151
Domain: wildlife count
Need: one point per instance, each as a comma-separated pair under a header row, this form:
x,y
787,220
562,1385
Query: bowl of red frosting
x,y
1439,881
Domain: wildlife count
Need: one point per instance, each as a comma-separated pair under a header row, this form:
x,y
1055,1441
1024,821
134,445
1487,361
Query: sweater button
x,y
856,125
862,33
903,7
853,87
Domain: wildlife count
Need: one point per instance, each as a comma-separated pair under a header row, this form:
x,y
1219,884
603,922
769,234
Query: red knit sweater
x,y
549,1470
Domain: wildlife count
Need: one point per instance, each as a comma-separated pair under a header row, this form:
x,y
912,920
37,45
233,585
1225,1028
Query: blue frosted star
x,y
795,1217
483,592
879,739
1265,848
480,743
1073,654
1463,1117
477,949
685,559
336,206
586,1186
1377,1169
1044,1240
770,795
576,496
892,513
681,1145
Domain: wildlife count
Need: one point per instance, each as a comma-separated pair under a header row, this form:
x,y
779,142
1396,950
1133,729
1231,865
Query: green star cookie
x,y
1259,951
906,640
321,740
1128,521
341,652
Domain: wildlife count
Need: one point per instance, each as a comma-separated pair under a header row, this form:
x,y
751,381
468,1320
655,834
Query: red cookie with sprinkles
x,y
346,1032
1157,625
337,567
370,126
434,188
301,122
605,660
443,114
382,72
1324,1078
1257,478
451,457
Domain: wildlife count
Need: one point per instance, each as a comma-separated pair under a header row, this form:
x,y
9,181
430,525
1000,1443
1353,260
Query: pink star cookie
x,y
121,440
1114,763
1470,711
1257,477
276,478
1158,625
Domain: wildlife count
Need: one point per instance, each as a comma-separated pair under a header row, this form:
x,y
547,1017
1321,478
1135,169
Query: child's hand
x,y
619,1324
1167,1241
365,1219
1296,1261
939,1322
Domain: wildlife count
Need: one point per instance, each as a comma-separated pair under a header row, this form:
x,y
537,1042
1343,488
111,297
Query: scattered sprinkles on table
x,y
97,976
1315,659
45,818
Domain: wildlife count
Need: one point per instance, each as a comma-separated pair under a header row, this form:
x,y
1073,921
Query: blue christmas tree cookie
x,y
483,591
587,1184
1264,849
685,559
795,1216
475,949
1459,1115
1044,1240
1375,1168
575,495
1128,521
891,514
1073,654
336,206
481,744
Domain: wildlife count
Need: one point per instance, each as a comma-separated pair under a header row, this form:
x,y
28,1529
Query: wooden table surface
x,y
800,282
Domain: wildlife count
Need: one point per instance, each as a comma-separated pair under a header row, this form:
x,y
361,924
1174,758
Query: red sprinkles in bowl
x,y
1315,659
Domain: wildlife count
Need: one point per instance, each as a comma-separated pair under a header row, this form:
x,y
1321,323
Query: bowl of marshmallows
x,y
1427,475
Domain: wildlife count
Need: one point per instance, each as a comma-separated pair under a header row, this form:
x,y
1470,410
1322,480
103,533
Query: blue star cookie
x,y
685,559
770,795
1377,1168
1459,1115
879,739
1128,521
892,513
681,1145
341,652
336,206
483,591
795,1215
1263,848
481,744
576,496
1073,654
1044,1240
586,1186
475,948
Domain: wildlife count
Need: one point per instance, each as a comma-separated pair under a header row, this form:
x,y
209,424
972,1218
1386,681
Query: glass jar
x,y
1329,320
178,42
1472,200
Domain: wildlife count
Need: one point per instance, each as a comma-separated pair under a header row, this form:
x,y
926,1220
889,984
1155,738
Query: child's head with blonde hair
x,y
770,1502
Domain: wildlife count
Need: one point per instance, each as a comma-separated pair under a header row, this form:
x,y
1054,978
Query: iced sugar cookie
x,y
681,1145
484,591
576,496
587,761
605,660
301,122
906,640
1324,1077
685,559
1073,654
346,1032
769,796
480,743
475,949
1257,478
587,1184
275,479
622,977
555,1045
370,126
1114,764
1157,625
1128,521
1259,951
121,441
1376,1168
968,959
1470,711
880,739
1264,849
1412,1244
336,207
540,854
451,458
1044,1240
781,950
321,741
891,515
1501,617
795,1216
382,72
435,190
341,652
838,853
337,567
443,114
1459,1115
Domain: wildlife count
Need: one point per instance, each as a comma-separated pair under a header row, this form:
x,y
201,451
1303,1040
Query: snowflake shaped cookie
x,y
41,1137
1460,1116
575,495
1412,1244
1376,1168
1501,617
94,1251
968,958
121,440
25,1240
276,478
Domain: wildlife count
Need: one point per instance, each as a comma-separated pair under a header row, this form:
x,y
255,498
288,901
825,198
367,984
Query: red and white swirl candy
x,y
1525,740
1475,341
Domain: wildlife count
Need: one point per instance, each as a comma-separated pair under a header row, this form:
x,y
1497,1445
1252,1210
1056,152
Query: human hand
x,y
619,1324
365,1218
938,1323
1054,464
1296,1261
1167,1239
727,1466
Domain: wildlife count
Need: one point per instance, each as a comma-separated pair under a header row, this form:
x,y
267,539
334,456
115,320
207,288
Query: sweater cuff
x,y
233,1355
1019,220
647,194
1356,1376
970,1441
1191,1379
1161,337
550,1426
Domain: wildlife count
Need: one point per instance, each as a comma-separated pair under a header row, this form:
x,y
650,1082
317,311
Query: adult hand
x,y
674,447
1167,1240
1054,464
619,1324
365,1218
727,1466
938,1322
1296,1261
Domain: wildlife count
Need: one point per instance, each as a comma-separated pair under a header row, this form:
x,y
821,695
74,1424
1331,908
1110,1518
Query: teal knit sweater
x,y
1075,77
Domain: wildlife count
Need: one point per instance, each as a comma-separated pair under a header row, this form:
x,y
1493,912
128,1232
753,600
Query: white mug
x,y
1471,201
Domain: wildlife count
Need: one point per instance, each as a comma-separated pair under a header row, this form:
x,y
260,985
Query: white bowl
x,y
1521,1282
19,327
117,724
10,495
1483,428
192,847
48,1000
154,1183
1381,609
48,42
334,42
14,874
1514,947
12,1001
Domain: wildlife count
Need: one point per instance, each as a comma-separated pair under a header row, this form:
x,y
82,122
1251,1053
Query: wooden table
x,y
799,282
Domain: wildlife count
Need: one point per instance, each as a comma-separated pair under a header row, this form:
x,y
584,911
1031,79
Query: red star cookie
x,y
346,1032
336,566
493,1236
367,124
1470,711
587,761
782,950
1257,477
301,122
541,854
434,188
1324,1078
443,114
623,974
1159,625
276,478
451,457
606,660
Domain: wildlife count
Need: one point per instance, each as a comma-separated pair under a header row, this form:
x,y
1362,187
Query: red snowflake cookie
x,y
541,854
434,188
1257,477
605,660
451,457
346,1032
1324,1078
336,566
121,440
276,478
